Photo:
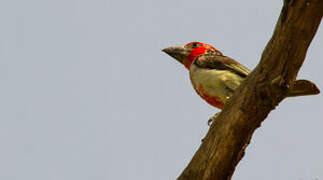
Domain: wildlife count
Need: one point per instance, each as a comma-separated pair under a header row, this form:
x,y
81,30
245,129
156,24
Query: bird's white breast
x,y
214,82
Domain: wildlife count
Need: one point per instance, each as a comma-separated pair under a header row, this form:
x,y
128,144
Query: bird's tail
x,y
303,88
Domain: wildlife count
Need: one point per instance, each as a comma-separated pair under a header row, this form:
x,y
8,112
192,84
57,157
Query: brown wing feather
x,y
213,61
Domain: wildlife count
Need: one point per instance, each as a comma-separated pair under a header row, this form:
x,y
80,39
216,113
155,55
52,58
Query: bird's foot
x,y
212,119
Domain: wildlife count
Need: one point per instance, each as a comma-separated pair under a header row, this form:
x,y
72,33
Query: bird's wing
x,y
212,61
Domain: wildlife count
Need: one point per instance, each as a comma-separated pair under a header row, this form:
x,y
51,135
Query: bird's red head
x,y
196,49
187,54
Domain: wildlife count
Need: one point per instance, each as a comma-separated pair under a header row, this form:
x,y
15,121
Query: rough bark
x,y
268,84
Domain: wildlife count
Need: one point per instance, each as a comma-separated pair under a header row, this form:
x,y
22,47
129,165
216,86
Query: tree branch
x,y
272,80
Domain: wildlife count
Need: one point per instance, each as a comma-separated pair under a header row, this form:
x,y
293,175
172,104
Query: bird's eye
x,y
195,45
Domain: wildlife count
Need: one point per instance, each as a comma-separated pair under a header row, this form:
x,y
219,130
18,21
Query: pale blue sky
x,y
87,94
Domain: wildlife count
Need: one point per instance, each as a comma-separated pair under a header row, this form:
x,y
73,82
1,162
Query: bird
x,y
214,76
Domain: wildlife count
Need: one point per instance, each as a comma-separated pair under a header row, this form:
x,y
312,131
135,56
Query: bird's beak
x,y
177,52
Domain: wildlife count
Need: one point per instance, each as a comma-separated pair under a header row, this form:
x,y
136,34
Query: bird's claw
x,y
212,119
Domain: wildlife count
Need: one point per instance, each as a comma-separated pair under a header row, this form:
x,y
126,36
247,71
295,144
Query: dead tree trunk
x,y
268,84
